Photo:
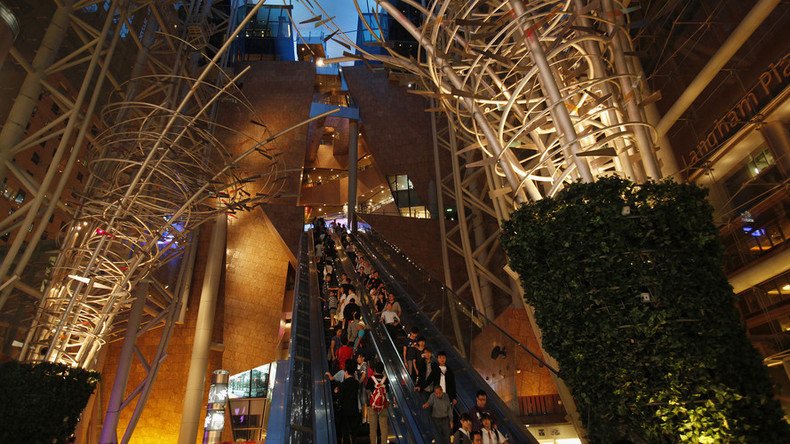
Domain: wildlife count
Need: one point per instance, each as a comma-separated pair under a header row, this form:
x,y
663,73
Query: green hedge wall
x,y
674,367
41,403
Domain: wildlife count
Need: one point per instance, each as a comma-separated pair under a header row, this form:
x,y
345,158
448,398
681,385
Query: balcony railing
x,y
759,232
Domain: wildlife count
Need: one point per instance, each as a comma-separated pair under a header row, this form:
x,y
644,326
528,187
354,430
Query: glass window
x,y
391,180
403,183
20,197
753,181
759,162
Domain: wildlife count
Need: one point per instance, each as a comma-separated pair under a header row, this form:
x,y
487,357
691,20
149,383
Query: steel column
x,y
110,425
353,157
548,84
9,31
630,95
201,345
448,279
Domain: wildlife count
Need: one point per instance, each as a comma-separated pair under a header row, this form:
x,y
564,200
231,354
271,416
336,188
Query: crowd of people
x,y
361,391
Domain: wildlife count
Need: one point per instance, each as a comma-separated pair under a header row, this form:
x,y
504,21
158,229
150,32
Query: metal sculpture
x,y
158,171
527,97
549,91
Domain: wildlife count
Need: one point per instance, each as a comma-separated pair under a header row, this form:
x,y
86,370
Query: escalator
x,y
432,308
303,409
409,422
303,412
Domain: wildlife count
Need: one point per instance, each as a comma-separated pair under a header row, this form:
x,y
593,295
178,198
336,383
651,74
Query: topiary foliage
x,y
41,403
628,289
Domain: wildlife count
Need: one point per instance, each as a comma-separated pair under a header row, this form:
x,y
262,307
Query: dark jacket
x,y
449,381
350,309
460,437
432,380
477,416
349,392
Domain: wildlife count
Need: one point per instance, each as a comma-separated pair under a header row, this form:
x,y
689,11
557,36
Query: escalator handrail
x,y
289,381
471,311
324,425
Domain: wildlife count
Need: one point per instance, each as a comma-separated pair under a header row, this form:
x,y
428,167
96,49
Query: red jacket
x,y
344,353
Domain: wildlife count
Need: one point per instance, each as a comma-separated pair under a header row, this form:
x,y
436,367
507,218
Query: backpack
x,y
378,399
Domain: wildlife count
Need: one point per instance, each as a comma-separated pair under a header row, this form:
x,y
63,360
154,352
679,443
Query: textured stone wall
x,y
397,128
257,266
280,94
518,374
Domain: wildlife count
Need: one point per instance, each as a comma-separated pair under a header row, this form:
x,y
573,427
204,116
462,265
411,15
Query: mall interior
x,y
193,191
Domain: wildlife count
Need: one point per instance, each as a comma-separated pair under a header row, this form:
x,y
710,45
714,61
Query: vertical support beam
x,y
353,155
610,116
193,398
182,293
631,96
474,284
778,139
108,431
448,281
665,154
27,98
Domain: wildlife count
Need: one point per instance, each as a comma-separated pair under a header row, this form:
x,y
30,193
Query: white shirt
x,y
442,370
388,316
492,436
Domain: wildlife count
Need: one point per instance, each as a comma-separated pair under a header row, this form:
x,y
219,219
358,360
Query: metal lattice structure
x,y
549,92
527,97
157,170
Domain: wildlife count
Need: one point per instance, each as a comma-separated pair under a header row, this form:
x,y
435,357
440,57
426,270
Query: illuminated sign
x,y
770,83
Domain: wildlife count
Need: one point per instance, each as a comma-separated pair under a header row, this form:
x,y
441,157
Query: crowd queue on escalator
x,y
361,392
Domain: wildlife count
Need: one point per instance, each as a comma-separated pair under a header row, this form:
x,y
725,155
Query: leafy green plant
x,y
628,288
42,403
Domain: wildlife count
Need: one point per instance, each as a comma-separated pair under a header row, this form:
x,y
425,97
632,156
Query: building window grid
x,y
760,226
406,199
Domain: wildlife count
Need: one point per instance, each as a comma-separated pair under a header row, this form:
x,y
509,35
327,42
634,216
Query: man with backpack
x,y
377,404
